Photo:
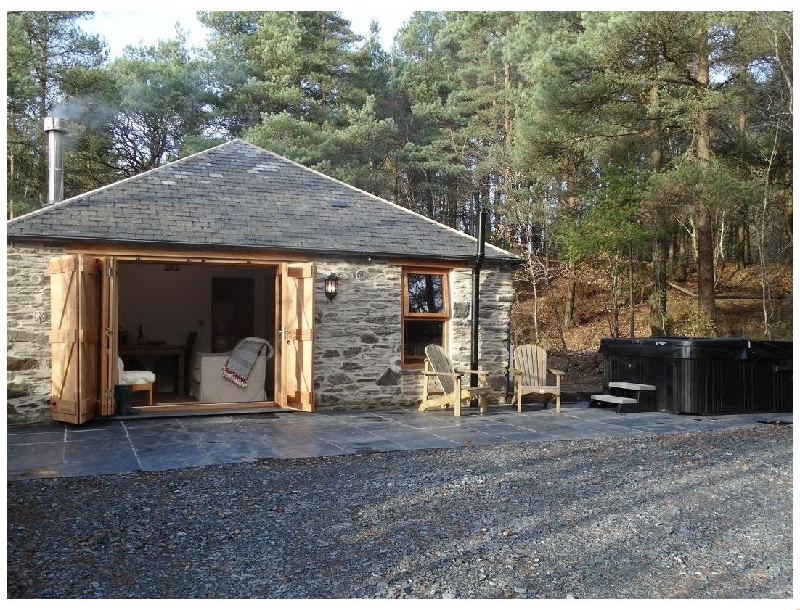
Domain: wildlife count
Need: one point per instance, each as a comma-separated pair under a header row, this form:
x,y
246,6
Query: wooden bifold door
x,y
294,343
82,333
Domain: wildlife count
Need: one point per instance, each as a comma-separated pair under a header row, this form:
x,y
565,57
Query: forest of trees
x,y
644,142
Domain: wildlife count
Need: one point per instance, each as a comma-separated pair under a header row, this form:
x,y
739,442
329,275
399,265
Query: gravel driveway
x,y
698,515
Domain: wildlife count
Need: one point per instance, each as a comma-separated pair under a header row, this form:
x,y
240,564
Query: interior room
x,y
180,321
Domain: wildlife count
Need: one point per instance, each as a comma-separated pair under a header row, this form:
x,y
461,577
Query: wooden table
x,y
156,350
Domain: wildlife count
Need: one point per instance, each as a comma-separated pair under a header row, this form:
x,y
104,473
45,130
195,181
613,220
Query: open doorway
x,y
181,321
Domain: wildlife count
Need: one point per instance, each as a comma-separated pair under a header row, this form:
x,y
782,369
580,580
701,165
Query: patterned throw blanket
x,y
243,358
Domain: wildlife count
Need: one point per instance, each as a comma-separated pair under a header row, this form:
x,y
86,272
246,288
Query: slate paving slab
x,y
304,450
617,431
30,436
378,445
24,457
566,433
164,456
426,442
469,436
348,433
77,435
112,462
498,429
225,454
152,438
525,436
95,450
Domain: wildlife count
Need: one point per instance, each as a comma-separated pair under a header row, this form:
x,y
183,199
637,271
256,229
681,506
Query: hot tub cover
x,y
697,348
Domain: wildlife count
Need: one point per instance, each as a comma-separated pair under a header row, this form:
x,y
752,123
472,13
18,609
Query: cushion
x,y
133,377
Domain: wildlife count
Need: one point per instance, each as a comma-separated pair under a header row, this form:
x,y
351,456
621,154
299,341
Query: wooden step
x,y
624,404
643,393
633,387
617,400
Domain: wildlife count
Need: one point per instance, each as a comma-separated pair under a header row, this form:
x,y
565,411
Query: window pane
x,y
419,333
425,293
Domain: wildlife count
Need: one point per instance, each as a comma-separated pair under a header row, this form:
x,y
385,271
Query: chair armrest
x,y
483,376
559,375
435,374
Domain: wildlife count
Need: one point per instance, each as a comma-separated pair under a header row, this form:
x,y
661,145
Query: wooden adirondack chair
x,y
437,364
530,376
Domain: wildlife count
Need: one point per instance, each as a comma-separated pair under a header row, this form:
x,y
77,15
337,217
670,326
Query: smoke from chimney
x,y
56,130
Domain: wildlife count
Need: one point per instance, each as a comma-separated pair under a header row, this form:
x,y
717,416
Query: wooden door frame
x,y
280,369
109,314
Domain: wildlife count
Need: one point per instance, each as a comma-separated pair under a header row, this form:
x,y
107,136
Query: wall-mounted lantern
x,y
331,286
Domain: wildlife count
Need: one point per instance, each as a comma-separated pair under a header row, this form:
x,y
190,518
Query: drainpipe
x,y
476,280
55,129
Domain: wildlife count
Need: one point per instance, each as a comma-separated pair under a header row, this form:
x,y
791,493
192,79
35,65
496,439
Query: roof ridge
x,y
63,202
381,199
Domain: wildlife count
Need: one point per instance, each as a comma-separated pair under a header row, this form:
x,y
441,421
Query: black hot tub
x,y
705,376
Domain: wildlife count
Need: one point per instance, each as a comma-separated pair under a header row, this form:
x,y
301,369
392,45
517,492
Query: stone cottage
x,y
167,269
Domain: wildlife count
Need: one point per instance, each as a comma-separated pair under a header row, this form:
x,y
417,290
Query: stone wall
x,y
357,340
358,334
28,340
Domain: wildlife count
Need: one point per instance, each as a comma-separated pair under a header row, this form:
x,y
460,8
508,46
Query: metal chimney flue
x,y
55,129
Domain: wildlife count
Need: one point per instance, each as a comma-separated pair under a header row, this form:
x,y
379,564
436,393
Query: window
x,y
426,310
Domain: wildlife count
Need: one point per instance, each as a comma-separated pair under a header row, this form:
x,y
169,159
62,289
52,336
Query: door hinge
x,y
110,271
109,332
109,394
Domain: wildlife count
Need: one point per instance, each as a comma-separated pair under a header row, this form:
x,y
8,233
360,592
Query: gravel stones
x,y
697,515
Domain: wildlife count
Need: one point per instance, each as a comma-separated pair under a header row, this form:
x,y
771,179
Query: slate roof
x,y
239,195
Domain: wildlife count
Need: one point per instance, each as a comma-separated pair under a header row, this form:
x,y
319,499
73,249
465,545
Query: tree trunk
x,y
631,313
507,130
705,264
741,261
533,266
615,300
766,288
705,239
569,306
11,177
658,298
535,312
787,215
554,304
41,138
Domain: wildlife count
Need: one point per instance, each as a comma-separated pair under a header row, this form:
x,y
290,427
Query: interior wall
x,y
170,304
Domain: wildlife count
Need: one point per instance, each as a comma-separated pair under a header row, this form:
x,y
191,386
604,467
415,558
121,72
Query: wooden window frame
x,y
443,316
